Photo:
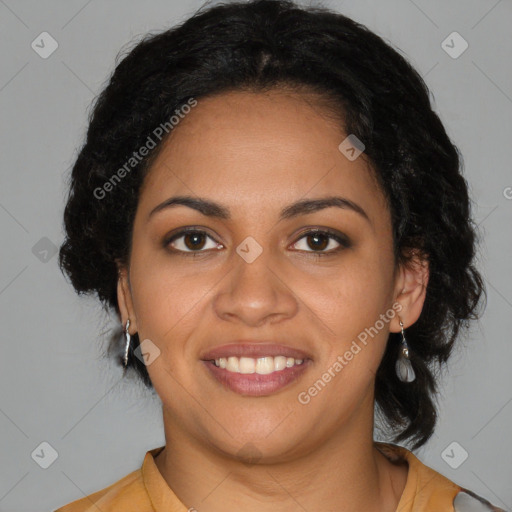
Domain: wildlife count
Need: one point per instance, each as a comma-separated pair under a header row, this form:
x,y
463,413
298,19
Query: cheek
x,y
358,292
359,316
166,298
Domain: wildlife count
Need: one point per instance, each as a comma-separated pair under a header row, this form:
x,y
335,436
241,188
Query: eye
x,y
190,240
195,241
319,240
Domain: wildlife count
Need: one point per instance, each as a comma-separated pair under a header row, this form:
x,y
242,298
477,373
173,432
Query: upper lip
x,y
253,348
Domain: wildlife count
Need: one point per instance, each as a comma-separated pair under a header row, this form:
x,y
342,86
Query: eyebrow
x,y
301,207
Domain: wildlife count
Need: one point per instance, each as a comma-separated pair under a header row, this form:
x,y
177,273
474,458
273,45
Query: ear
x,y
410,290
124,299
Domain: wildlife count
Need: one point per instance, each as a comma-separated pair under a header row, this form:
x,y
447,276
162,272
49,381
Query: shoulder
x,y
427,489
468,501
128,492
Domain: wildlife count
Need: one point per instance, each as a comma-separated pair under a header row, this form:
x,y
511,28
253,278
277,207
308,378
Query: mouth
x,y
256,369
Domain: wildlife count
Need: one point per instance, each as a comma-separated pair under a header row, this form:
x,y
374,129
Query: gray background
x,y
55,387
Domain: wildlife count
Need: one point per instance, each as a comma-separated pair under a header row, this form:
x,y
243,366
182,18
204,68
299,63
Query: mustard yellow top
x,y
145,490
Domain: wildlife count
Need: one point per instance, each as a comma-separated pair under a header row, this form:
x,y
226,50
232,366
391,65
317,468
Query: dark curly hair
x,y
378,96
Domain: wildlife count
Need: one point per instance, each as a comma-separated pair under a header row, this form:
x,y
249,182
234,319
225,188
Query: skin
x,y
256,153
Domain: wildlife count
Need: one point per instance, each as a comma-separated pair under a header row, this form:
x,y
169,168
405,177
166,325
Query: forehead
x,y
254,150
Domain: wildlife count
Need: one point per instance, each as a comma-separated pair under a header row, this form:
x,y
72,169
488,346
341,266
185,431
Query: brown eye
x,y
191,241
194,241
319,240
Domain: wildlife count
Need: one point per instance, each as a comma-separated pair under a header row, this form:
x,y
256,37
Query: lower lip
x,y
254,384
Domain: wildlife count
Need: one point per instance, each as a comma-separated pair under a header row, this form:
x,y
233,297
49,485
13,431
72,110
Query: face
x,y
257,278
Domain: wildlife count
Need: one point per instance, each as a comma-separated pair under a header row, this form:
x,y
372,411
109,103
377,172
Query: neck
x,y
346,473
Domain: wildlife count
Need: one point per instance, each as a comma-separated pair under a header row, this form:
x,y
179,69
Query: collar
x,y
159,492
425,488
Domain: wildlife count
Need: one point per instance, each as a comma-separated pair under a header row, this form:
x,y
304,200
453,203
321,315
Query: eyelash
x,y
334,235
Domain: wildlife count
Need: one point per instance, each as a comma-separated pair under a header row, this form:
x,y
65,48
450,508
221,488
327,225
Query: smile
x,y
253,382
261,365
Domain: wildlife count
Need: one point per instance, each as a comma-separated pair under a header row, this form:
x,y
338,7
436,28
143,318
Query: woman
x,y
269,204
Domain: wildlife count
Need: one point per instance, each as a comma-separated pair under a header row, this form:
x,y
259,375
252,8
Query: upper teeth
x,y
261,365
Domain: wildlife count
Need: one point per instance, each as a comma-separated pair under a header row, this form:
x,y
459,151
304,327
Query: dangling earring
x,y
403,366
127,345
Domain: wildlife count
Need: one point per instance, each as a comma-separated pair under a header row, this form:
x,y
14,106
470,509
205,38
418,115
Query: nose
x,y
256,293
